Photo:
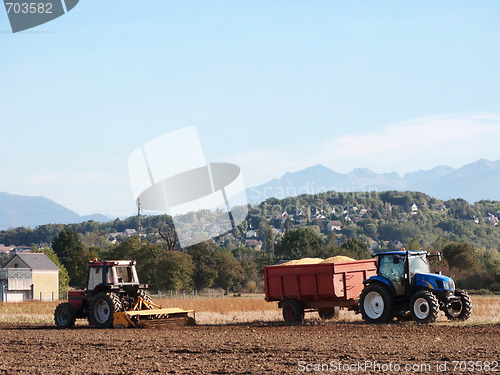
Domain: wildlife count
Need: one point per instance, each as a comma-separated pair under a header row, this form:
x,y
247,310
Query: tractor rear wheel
x,y
424,307
376,304
459,310
103,306
293,311
329,313
65,315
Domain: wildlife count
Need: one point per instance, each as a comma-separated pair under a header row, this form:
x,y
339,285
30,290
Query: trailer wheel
x,y
293,311
65,315
103,306
331,313
459,310
376,304
424,307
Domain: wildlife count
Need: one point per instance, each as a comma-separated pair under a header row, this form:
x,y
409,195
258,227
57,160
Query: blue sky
x,y
272,86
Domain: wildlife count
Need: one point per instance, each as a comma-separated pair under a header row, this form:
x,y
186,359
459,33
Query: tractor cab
x,y
408,271
404,287
117,274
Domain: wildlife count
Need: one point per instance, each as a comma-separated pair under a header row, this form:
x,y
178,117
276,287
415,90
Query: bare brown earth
x,y
254,348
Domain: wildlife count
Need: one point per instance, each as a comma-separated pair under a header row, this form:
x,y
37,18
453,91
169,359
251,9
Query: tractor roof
x,y
412,252
109,263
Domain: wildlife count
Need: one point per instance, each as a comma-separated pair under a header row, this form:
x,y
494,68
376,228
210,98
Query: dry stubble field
x,y
247,336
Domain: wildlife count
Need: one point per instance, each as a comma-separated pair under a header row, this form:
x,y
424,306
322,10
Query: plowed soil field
x,y
276,348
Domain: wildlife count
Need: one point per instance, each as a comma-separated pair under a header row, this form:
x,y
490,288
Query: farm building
x,y
29,276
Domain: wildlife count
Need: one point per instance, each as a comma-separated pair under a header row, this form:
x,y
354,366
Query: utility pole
x,y
139,217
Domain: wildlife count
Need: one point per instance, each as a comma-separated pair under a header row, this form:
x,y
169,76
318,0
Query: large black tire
x,y
376,304
103,306
424,307
460,310
293,311
65,315
329,313
144,295
147,297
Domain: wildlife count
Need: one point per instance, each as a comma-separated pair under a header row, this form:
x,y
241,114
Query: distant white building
x,y
251,234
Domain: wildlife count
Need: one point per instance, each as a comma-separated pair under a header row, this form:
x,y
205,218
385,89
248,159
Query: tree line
x,y
206,265
292,228
201,266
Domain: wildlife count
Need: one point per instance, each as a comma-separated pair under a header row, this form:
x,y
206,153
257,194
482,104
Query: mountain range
x,y
473,182
20,210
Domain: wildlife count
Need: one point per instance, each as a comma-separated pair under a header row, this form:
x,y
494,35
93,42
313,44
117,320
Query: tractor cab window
x,y
392,268
418,264
125,275
95,277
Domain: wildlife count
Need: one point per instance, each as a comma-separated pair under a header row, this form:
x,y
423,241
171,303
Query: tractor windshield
x,y
125,275
419,264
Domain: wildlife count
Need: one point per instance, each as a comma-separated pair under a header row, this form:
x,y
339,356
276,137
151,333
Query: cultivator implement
x,y
148,314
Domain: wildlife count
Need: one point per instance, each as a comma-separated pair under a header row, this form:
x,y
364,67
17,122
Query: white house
x,y
29,276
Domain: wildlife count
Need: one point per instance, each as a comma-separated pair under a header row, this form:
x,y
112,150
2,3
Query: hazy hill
x,y
18,210
472,182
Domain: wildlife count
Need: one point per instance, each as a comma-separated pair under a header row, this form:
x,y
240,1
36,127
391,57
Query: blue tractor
x,y
405,288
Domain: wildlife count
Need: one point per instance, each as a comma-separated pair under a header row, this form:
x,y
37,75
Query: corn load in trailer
x,y
115,298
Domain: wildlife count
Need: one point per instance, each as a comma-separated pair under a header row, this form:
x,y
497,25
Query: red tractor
x,y
114,297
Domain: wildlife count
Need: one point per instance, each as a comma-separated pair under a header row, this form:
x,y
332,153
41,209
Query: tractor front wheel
x,y
293,311
376,304
424,307
459,310
65,315
103,306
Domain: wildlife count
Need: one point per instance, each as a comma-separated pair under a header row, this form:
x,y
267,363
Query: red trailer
x,y
322,287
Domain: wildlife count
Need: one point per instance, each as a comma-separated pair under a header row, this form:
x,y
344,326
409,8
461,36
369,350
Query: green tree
x,y
356,248
204,261
128,249
252,278
70,251
4,257
66,245
414,244
229,271
269,244
461,256
78,267
299,243
175,270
